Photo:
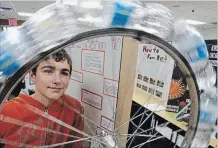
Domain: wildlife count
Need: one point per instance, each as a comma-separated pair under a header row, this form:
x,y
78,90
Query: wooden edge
x,y
214,143
126,87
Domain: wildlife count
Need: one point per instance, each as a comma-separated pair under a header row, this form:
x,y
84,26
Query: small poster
x,y
154,71
178,94
107,123
91,98
110,87
77,76
93,61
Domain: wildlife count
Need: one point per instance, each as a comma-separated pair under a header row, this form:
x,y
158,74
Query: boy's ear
x,y
33,77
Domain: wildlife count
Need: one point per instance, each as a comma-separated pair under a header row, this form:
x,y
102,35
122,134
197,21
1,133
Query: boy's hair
x,y
61,55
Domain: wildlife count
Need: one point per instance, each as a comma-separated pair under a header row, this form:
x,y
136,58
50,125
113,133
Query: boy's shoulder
x,y
13,107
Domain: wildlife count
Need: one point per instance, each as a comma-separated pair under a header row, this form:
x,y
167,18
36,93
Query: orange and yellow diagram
x,y
177,89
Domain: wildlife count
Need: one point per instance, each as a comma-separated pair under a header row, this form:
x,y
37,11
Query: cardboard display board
x,y
94,80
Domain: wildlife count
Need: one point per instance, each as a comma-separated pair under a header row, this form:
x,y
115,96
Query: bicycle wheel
x,y
126,88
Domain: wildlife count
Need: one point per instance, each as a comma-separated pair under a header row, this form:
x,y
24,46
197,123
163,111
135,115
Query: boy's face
x,y
51,79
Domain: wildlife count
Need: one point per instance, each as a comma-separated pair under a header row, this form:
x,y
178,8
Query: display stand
x,y
139,97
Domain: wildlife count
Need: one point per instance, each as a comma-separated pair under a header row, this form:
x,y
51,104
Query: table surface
x,y
143,98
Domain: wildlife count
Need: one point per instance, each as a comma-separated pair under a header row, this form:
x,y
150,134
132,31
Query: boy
x,y
41,119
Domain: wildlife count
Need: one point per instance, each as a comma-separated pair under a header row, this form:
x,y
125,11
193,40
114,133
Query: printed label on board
x,y
110,87
93,61
107,123
92,99
77,76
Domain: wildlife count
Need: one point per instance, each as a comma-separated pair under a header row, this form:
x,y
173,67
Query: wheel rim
x,y
139,35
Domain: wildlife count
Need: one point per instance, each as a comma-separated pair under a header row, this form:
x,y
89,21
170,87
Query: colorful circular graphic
x,y
177,89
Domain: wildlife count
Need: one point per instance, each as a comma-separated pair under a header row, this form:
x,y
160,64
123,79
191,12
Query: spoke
x,y
41,113
150,94
78,112
136,135
25,124
161,125
160,137
69,142
130,121
94,144
14,143
90,129
139,127
112,119
140,145
145,107
29,125
144,131
164,124
136,125
121,108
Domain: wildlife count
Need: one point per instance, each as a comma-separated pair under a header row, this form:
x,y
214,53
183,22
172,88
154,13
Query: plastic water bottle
x,y
7,59
15,50
206,77
208,115
190,43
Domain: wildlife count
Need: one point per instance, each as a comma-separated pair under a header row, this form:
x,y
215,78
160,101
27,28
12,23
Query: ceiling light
x,y
25,14
91,4
193,22
68,2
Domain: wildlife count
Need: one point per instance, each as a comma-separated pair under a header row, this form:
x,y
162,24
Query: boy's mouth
x,y
55,88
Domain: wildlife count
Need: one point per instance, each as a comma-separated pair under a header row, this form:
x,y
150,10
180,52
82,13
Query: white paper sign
x,y
110,87
154,71
106,123
77,76
92,99
93,61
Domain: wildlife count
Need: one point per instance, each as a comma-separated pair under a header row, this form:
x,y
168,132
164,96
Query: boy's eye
x,y
48,71
65,73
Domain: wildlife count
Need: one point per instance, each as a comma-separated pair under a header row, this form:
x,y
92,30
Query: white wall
x,y
209,33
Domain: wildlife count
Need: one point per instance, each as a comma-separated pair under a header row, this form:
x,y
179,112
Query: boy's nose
x,y
56,79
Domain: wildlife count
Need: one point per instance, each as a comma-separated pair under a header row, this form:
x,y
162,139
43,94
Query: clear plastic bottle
x,y
190,43
15,51
206,77
208,115
8,63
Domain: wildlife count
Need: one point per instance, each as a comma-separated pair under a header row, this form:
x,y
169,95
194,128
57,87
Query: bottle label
x,y
121,15
199,54
9,65
207,117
